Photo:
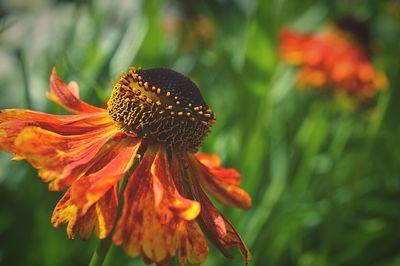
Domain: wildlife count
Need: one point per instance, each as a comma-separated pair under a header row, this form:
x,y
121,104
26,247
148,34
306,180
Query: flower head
x,y
336,59
155,121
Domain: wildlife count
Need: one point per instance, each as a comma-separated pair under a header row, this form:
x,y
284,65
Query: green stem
x,y
21,59
101,252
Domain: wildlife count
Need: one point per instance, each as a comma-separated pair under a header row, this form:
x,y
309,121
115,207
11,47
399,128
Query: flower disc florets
x,y
161,105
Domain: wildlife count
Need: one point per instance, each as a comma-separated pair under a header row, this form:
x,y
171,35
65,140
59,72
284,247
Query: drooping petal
x,y
184,208
68,96
88,120
111,165
216,227
60,150
217,181
159,226
214,165
101,216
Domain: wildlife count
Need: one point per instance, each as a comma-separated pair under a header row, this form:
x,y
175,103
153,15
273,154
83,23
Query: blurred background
x,y
324,173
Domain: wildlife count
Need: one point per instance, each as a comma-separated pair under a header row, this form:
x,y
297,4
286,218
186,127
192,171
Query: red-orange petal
x,y
216,227
160,170
152,224
112,164
68,96
213,163
101,216
214,180
59,150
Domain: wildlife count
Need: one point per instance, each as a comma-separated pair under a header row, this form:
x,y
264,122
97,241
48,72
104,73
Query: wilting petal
x,y
157,226
101,216
89,119
15,120
111,165
218,229
214,179
213,163
68,96
195,248
185,208
58,146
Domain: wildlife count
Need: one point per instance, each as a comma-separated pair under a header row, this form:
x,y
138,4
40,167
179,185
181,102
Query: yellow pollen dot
x,y
168,94
180,113
158,91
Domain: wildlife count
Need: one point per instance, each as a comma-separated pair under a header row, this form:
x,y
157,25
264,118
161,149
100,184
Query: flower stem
x,y
101,252
21,59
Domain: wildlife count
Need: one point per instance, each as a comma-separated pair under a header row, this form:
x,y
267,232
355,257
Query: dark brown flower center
x,y
161,105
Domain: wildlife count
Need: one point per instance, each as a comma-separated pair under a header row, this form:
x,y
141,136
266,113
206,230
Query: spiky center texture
x,y
161,105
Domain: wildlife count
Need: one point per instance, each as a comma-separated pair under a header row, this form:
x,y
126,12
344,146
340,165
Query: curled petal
x,y
111,164
60,149
15,120
100,217
185,208
68,96
216,227
34,116
213,163
157,225
218,182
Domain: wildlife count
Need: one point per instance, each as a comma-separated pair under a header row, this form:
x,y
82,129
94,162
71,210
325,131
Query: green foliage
x,y
324,178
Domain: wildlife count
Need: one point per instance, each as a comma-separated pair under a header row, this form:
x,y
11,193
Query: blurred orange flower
x,y
155,119
333,59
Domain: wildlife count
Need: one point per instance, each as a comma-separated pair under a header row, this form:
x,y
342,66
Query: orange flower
x,y
332,59
156,119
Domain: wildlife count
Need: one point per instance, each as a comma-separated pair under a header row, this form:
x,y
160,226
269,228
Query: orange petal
x,y
215,181
160,170
157,229
100,216
292,47
68,96
59,150
112,164
195,248
139,226
213,163
216,227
